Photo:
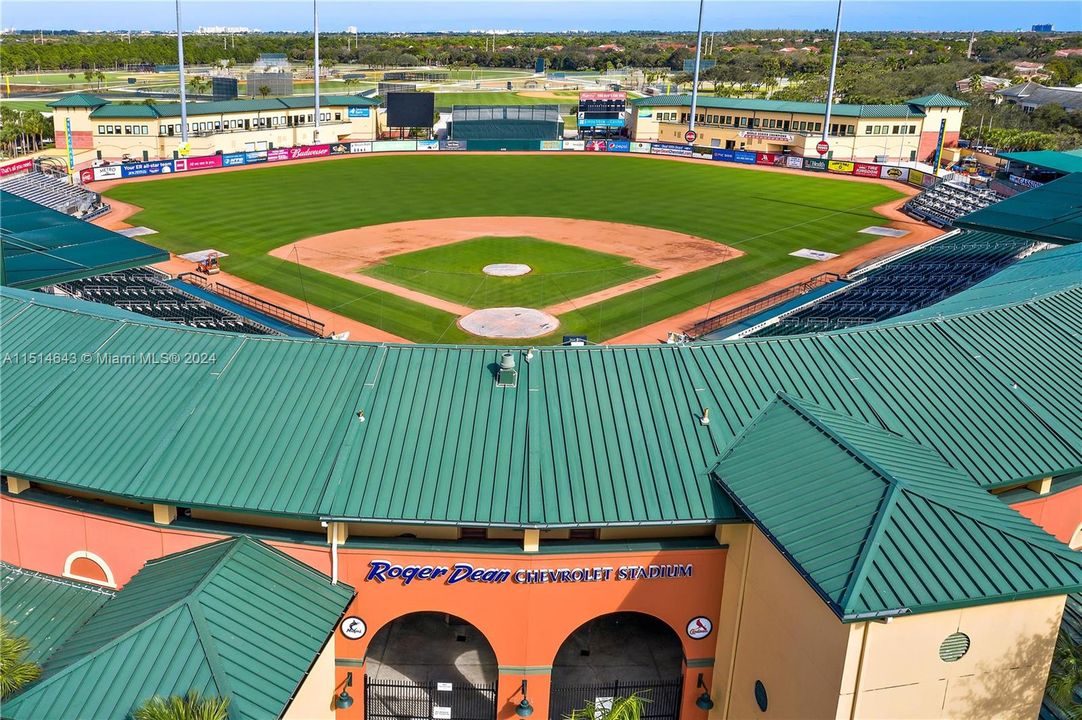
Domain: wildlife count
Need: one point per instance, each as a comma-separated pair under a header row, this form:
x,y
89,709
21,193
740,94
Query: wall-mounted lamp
x,y
703,702
524,709
345,700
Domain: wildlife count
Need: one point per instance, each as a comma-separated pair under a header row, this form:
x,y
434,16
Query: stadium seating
x,y
944,203
144,291
54,191
909,283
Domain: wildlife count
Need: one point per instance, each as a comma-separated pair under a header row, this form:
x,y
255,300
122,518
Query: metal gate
x,y
405,700
663,698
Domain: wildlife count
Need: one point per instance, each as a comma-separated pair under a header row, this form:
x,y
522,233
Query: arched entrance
x,y
615,655
430,665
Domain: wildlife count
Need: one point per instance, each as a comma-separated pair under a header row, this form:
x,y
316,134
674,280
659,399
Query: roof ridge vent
x,y
506,374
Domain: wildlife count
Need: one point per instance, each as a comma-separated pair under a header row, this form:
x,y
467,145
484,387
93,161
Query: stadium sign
x,y
381,571
233,159
840,166
143,169
894,173
1025,182
16,167
690,136
107,172
767,136
822,147
197,163
815,165
359,112
360,147
792,161
866,170
670,149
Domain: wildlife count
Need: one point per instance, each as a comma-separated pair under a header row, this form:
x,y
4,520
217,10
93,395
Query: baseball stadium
x,y
400,429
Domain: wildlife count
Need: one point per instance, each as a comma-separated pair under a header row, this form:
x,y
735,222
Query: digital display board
x,y
602,109
410,109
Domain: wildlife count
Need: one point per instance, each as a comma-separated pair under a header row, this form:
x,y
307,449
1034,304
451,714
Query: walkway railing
x,y
755,307
266,307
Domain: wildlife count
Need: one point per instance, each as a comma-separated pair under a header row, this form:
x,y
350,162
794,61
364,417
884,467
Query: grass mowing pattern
x,y
558,272
765,214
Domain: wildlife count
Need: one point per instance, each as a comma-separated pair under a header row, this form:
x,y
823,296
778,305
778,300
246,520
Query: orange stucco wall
x,y
1060,514
524,623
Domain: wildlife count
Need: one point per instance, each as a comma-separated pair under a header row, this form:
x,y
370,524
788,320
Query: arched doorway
x,y
430,665
615,655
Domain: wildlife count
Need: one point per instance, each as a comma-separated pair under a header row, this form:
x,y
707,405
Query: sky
x,y
548,15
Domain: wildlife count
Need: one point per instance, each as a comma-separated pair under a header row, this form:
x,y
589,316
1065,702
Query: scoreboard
x,y
602,109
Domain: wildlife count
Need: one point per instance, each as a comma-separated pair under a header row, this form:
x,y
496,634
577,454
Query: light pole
x,y
698,57
833,70
315,28
183,94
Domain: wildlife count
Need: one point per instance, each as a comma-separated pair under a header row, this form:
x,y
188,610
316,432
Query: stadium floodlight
x,y
183,94
698,58
315,65
833,70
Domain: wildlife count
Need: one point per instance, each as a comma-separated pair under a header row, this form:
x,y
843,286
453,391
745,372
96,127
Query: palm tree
x,y
264,91
71,76
88,75
1066,677
15,670
101,78
621,708
192,706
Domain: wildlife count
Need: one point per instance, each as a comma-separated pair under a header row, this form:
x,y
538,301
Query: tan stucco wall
x,y
315,697
1002,675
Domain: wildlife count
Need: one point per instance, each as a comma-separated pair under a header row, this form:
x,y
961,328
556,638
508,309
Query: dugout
x,y
503,127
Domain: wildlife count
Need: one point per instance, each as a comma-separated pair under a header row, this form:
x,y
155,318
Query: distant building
x,y
608,48
272,61
1069,52
1042,28
1027,69
351,29
1030,96
989,84
221,30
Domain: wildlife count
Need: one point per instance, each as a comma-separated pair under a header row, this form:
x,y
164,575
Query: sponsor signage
x,y
822,147
233,159
599,96
767,136
198,163
107,172
840,166
596,146
16,167
894,173
792,161
670,149
584,121
574,144
702,152
550,145
360,147
360,112
916,177
381,571
646,113
928,180
340,149
452,145
765,158
394,145
353,627
699,627
68,139
258,156
690,136
1026,182
815,165
639,147
298,153
428,145
86,175
744,156
866,170
723,155
143,169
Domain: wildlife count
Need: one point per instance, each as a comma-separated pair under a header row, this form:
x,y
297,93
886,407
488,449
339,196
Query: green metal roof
x,y
781,106
937,100
1066,161
78,100
40,246
234,619
46,609
880,525
222,107
1051,212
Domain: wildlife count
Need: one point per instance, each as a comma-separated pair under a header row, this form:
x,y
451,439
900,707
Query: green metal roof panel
x,y
124,111
880,525
221,107
937,100
781,106
1049,213
1064,161
78,100
42,246
194,620
46,609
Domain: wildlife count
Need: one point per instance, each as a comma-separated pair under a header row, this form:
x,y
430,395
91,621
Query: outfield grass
x,y
39,105
446,100
558,272
765,214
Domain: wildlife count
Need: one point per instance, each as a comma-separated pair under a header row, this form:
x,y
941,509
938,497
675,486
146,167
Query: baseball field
x,y
754,218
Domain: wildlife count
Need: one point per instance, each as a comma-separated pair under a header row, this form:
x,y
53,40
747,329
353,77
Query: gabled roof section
x,y
222,107
781,106
78,100
1064,161
937,100
235,619
46,609
1052,213
880,525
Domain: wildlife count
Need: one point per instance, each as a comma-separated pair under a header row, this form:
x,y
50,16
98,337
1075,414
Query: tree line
x,y
23,131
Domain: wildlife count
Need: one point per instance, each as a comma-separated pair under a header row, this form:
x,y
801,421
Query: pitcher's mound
x,y
509,322
506,269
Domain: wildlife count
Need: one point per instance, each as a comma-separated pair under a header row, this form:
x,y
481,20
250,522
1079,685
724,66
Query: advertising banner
x,y
550,145
428,145
1025,182
16,167
765,158
928,180
197,163
670,149
605,95
916,177
744,156
639,147
584,121
815,165
452,145
794,162
597,146
86,175
251,158
233,159
702,152
143,169
360,112
574,144
894,173
340,149
360,147
723,155
766,136
394,145
107,172
866,170
840,166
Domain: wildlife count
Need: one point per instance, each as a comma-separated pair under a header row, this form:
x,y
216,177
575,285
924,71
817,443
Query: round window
x,y
954,647
760,695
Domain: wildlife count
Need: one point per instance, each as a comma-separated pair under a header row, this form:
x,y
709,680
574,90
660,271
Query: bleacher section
x,y
145,291
913,281
944,203
54,191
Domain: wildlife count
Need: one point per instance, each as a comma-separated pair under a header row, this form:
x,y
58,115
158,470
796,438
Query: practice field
x,y
448,99
247,213
558,271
